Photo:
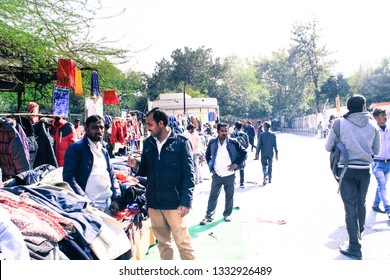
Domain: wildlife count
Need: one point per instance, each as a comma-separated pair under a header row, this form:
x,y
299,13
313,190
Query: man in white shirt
x,y
224,155
88,170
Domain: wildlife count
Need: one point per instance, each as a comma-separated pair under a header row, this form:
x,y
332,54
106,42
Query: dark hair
x,y
92,119
158,115
356,103
221,124
378,111
238,125
267,124
190,126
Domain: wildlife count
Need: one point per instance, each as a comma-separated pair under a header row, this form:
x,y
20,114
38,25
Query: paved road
x,y
304,194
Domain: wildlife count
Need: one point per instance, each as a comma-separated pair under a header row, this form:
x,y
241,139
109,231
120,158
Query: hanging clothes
x,y
119,131
13,159
78,89
45,153
110,97
95,91
64,135
66,73
61,101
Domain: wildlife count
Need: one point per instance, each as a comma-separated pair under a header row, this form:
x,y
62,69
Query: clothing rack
x,y
28,115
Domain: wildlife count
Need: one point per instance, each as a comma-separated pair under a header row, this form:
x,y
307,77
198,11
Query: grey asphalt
x,y
303,193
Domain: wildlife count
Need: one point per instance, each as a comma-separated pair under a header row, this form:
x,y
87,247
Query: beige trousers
x,y
166,223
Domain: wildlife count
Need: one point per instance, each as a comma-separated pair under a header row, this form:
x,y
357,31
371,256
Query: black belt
x,y
382,160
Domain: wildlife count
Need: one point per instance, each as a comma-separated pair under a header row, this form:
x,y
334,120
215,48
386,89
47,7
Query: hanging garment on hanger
x,y
110,97
13,159
95,91
66,73
78,89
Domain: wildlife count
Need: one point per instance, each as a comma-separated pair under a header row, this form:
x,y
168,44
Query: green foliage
x,y
35,33
335,86
310,56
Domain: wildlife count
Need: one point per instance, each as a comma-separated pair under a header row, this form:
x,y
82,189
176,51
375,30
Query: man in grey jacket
x,y
360,135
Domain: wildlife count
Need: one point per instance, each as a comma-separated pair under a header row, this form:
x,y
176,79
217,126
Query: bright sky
x,y
357,32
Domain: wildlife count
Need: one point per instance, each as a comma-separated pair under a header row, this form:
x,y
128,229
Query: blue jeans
x,y
266,162
381,171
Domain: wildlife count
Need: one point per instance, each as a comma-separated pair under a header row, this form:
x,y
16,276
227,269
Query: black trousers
x,y
353,192
216,185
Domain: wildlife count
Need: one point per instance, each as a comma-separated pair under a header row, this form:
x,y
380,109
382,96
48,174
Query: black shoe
x,y
354,253
205,221
242,186
269,181
377,209
256,158
265,181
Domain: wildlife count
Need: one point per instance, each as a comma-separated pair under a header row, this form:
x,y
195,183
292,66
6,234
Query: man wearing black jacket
x,y
167,163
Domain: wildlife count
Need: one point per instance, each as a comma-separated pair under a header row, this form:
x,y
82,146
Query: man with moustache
x,y
224,155
167,162
88,170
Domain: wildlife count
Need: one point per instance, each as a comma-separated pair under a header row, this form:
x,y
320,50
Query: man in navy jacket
x,y
88,170
167,163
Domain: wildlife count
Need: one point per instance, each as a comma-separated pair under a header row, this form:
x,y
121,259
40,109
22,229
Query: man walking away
x,y
242,138
381,165
223,155
268,145
250,131
361,138
259,130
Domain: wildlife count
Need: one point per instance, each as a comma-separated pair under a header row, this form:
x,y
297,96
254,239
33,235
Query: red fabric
x,y
66,73
110,97
118,131
64,135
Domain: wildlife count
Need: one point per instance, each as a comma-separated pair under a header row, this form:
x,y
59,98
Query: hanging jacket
x,y
64,135
45,143
13,159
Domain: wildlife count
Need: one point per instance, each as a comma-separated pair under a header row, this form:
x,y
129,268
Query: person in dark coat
x,y
88,170
167,162
268,145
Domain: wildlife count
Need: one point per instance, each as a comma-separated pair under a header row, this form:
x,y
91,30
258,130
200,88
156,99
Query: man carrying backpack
x,y
243,139
360,136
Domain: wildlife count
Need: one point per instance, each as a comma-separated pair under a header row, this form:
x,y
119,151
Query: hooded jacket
x,y
360,135
64,135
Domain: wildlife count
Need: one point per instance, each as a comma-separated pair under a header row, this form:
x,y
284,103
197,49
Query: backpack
x,y
241,138
335,154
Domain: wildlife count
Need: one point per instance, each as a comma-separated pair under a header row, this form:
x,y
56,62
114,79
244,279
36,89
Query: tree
x,y
335,86
285,82
35,33
310,55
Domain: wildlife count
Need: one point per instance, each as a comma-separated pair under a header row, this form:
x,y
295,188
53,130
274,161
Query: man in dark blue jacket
x,y
88,170
167,163
267,143
224,155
